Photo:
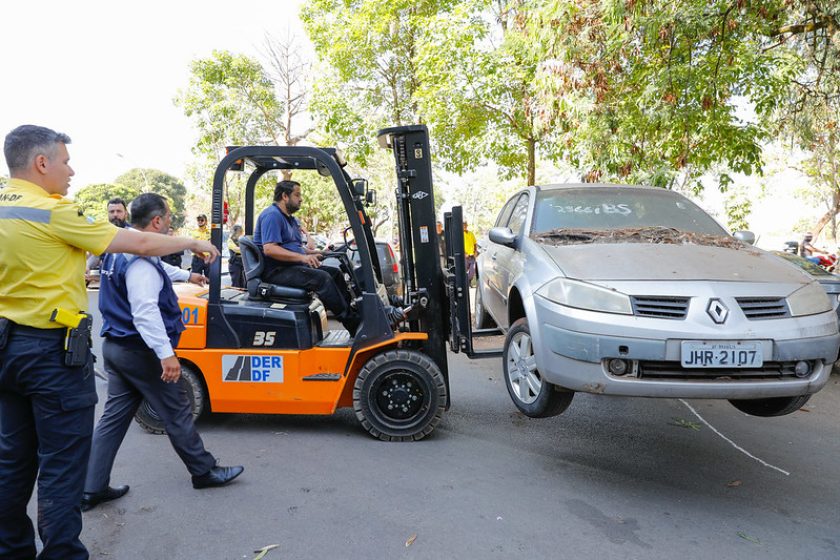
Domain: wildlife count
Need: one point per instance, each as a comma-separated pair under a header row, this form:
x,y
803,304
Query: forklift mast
x,y
419,250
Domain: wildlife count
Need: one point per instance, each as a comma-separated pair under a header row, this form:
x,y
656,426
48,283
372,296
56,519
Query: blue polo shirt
x,y
273,226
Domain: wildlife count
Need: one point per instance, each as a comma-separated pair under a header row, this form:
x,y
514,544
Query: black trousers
x,y
198,266
134,374
327,281
237,272
46,420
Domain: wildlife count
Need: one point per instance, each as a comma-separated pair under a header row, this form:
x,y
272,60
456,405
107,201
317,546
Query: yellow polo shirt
x,y
43,239
469,243
202,233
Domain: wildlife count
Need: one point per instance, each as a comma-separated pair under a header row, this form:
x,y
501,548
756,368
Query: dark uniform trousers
x,y
134,374
198,266
46,420
237,271
327,281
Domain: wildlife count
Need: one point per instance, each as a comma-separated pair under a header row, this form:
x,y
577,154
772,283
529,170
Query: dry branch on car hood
x,y
661,235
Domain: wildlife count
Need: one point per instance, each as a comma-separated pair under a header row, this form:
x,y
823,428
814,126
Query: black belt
x,y
51,334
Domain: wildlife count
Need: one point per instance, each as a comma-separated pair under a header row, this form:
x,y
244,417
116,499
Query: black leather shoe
x,y
218,476
92,499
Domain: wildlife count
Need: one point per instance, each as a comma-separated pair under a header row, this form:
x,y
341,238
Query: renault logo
x,y
717,311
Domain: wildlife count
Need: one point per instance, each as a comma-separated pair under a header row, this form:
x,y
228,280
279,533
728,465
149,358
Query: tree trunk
x,y
531,144
828,216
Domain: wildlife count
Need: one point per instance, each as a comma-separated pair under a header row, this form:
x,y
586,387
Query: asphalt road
x,y
610,478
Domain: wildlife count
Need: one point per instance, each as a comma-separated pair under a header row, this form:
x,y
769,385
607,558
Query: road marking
x,y
732,443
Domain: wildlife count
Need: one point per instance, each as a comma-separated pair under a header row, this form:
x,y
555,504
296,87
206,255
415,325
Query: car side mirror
x,y
747,237
503,236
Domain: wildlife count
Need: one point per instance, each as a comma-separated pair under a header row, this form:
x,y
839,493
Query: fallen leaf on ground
x,y
683,423
264,550
411,540
746,537
733,484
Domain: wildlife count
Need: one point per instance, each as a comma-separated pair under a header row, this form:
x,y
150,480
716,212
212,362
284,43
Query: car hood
x,y
649,261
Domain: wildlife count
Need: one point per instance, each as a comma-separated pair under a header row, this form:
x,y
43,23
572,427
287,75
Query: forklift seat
x,y
254,262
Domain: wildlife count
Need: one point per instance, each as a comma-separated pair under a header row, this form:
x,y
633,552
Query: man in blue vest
x,y
141,324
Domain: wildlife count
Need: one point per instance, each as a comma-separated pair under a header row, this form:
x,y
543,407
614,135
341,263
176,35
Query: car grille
x,y
662,307
673,370
763,307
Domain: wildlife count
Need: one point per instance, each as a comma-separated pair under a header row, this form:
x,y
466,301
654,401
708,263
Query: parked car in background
x,y
391,276
829,281
636,291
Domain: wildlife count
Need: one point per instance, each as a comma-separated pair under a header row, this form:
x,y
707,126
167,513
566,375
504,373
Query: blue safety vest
x,y
117,320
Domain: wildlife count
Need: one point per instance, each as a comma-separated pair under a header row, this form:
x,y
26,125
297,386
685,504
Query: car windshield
x,y
604,208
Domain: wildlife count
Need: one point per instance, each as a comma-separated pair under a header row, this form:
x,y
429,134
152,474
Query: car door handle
x,y
493,258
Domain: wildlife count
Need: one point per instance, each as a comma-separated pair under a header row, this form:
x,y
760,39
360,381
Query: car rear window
x,y
617,208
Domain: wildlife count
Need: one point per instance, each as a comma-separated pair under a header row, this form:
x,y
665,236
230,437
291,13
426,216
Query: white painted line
x,y
732,443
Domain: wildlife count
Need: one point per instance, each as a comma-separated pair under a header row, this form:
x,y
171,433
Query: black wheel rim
x,y
400,398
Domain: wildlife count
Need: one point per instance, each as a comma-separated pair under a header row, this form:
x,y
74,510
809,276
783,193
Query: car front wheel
x,y
528,389
775,406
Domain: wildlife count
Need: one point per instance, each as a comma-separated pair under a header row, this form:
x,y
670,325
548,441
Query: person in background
x,y
201,232
141,324
47,390
441,243
117,212
173,259
117,215
237,272
470,253
807,249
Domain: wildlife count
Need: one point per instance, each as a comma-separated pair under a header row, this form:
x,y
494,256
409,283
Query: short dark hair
x,y
118,200
145,207
201,217
284,187
27,141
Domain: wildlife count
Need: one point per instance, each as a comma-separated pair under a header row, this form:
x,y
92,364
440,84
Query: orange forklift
x,y
268,350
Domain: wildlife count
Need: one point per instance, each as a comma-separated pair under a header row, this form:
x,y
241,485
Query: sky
x,y
106,72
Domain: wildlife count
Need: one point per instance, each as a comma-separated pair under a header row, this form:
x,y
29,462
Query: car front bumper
x,y
573,348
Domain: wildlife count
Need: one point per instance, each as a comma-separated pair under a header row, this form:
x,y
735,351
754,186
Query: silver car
x,y
636,291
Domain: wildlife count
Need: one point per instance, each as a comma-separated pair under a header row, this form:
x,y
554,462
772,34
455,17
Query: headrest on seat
x,y
253,263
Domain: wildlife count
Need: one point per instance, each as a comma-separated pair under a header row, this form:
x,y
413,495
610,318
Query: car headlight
x,y
808,300
581,295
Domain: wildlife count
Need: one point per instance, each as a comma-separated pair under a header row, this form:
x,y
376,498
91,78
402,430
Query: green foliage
x,y
738,209
3,181
93,199
152,180
231,101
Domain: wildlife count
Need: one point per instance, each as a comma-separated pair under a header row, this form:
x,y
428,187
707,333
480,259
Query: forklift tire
x,y
481,319
191,383
399,395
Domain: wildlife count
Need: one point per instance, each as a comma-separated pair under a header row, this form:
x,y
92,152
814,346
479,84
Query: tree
x,y
93,199
234,100
477,88
152,180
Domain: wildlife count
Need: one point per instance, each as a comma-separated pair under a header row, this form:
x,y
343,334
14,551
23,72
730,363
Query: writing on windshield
x,y
617,208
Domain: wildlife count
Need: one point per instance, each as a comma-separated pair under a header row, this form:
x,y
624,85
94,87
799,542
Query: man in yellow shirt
x,y
202,232
469,252
47,395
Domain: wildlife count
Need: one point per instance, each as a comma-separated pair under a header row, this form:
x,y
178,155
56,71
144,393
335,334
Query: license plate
x,y
721,354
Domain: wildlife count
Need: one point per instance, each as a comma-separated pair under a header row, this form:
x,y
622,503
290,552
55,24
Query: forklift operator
x,y
291,263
